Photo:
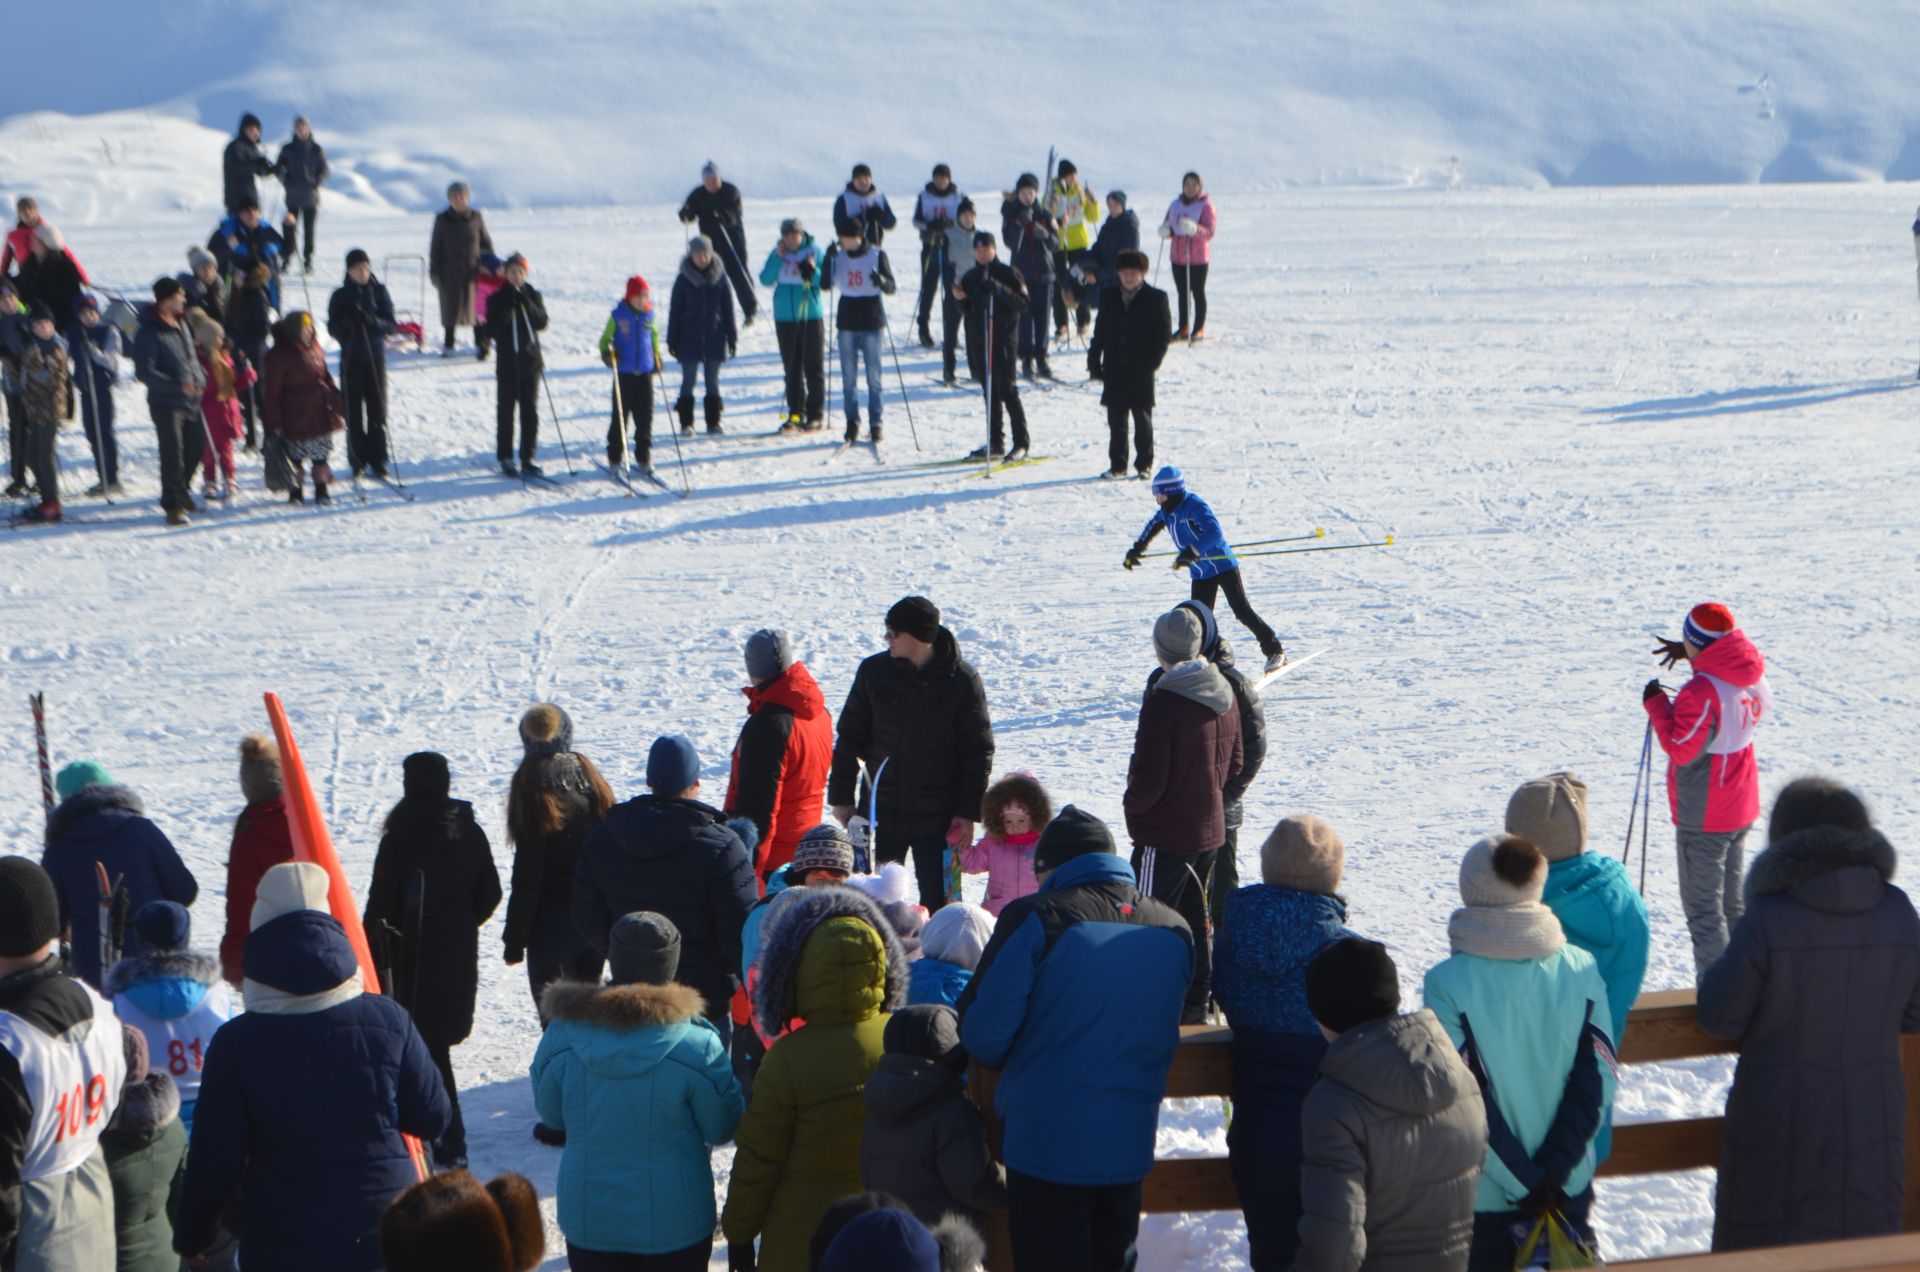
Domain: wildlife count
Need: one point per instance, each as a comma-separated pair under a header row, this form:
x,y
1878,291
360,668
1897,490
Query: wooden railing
x,y
1663,1026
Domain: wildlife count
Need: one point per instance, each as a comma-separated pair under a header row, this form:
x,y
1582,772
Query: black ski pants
x,y
1003,394
803,359
40,459
96,416
1117,437
306,217
1068,291
364,384
1072,1227
522,391
929,853
1191,278
182,436
695,1258
634,397
1235,587
558,952
1180,880
454,1142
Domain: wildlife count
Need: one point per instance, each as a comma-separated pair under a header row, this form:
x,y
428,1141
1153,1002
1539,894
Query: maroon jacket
x,y
1186,748
300,400
262,839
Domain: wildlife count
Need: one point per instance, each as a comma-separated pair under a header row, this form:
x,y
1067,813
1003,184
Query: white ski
x,y
1285,667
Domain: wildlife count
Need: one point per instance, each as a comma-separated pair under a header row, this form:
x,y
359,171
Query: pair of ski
x,y
842,447
990,465
114,898
629,483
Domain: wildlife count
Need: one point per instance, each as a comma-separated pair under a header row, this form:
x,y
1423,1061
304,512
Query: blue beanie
x,y
672,764
79,775
891,1239
163,925
1169,481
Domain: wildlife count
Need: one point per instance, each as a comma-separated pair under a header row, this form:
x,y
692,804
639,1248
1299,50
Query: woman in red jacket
x,y
301,402
261,840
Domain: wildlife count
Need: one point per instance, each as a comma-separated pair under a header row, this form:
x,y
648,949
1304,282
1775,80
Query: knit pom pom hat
x,y
546,730
260,778
1500,881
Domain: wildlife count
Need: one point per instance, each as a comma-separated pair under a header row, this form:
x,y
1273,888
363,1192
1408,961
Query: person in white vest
x,y
173,995
62,1067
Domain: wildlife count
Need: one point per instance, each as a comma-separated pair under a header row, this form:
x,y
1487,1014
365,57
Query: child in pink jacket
x,y
1189,223
219,402
1015,811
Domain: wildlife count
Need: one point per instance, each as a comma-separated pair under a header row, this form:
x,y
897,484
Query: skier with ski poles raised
x,y
715,204
1029,233
994,295
630,347
799,324
514,314
1205,554
937,207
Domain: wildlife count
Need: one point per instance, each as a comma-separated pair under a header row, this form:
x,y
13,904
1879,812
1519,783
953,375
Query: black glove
x,y
806,270
1542,1199
1186,558
1134,554
740,1257
1024,216
1669,652
606,356
1093,369
1653,690
686,216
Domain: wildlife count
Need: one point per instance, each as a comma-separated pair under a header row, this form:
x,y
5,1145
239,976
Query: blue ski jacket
x,y
933,980
1191,524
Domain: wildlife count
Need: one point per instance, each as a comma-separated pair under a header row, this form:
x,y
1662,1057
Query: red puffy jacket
x,y
1713,780
262,840
780,765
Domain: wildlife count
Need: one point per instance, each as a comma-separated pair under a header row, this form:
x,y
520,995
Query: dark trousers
x,y
936,278
304,217
182,437
1494,1248
635,398
16,438
256,356
523,391
695,1258
736,271
1191,278
40,460
1003,393
1035,337
1071,1228
953,331
1069,291
365,387
1180,880
454,1142
929,862
1272,1074
1224,879
1117,437
803,357
96,416
557,952
1231,582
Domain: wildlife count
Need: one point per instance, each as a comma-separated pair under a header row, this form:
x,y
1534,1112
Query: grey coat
x,y
1395,1134
453,262
1821,976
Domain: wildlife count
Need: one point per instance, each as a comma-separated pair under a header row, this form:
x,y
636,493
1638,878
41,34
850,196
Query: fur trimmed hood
x,y
1015,788
622,1007
182,965
146,1107
962,1248
1814,857
778,995
89,800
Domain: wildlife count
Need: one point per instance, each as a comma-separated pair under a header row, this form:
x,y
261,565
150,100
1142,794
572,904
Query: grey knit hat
x,y
1176,636
643,948
199,257
699,243
546,730
1502,870
1552,812
825,847
1303,854
769,652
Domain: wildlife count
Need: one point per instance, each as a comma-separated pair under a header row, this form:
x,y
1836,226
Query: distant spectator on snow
x,y
783,754
302,169
1129,342
205,291
249,322
46,391
51,277
19,244
1189,222
1713,779
243,162
101,823
242,240
360,318
452,1220
228,381
861,210
516,315
262,839
301,404
460,238
94,347
1821,977
715,204
1100,267
700,330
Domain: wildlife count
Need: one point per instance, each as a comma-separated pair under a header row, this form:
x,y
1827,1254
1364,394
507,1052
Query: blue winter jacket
x,y
1191,524
1261,951
932,980
794,299
643,1087
107,824
95,354
634,339
757,921
700,322
303,1103
1077,1002
1600,912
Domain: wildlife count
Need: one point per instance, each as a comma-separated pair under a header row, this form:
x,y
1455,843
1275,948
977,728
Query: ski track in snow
x,y
1578,411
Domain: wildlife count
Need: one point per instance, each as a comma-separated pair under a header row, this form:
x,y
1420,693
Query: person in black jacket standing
x,y
670,853
434,885
164,361
994,296
241,163
360,318
920,709
715,204
302,169
1129,341
515,316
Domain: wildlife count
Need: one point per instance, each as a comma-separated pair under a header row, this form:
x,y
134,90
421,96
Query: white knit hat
x,y
958,933
1502,871
289,886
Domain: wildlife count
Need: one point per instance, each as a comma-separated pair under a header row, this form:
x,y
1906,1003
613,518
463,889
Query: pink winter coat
x,y
1713,780
1195,248
224,420
1008,861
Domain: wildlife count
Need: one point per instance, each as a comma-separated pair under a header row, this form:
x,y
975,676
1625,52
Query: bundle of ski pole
x,y
1319,532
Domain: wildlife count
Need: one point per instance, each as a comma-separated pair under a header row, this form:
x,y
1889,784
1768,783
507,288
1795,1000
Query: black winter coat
x,y
1117,234
249,323
1129,341
209,298
1820,977
243,161
700,326
925,1142
164,361
719,214
931,728
1007,297
514,315
1030,236
302,169
434,857
360,319
53,280
680,858
543,876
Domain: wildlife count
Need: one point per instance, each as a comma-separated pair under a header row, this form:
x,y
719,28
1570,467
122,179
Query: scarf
x,y
1511,933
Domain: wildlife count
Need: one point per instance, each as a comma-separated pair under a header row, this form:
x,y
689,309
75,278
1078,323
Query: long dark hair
x,y
536,805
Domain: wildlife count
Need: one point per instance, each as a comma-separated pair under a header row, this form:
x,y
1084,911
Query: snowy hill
x,y
601,101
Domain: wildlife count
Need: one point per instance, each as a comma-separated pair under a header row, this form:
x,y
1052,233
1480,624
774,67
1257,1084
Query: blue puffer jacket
x,y
1601,913
108,824
1261,952
643,1087
303,1103
634,338
1077,1002
757,921
932,980
1191,524
700,324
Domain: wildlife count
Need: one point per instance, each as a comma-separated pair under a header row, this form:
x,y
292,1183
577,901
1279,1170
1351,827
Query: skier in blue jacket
x,y
1205,554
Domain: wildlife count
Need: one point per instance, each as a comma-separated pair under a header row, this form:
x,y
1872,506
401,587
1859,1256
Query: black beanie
x,y
915,616
643,948
1352,982
424,775
358,256
983,239
29,908
1070,834
166,288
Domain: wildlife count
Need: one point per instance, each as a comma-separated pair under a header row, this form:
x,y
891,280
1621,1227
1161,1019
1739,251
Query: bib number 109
x,y
80,1107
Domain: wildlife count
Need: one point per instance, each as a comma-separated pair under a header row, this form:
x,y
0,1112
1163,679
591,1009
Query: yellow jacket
x,y
1073,214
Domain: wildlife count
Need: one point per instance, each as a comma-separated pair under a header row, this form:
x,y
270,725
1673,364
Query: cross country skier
x,y
1029,232
860,273
1205,554
630,346
863,207
715,204
994,295
1074,208
799,324
937,207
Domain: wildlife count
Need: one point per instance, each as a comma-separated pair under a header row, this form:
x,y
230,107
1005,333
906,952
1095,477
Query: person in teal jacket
x,y
1530,1014
799,323
641,1083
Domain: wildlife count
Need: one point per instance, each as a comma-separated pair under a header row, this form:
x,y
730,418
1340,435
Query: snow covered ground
x,y
1579,411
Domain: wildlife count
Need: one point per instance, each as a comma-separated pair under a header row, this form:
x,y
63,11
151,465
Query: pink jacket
x,y
224,420
1009,865
1713,780
1195,248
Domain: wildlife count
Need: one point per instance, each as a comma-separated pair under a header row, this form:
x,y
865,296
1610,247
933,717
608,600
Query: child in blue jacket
x,y
630,345
1205,554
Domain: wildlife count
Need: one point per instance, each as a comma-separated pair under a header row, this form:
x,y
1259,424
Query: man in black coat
x,y
164,361
516,315
1129,341
672,854
460,239
920,710
242,162
302,169
360,318
715,204
995,296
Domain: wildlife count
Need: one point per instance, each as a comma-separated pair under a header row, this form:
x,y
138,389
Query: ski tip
x,y
1389,540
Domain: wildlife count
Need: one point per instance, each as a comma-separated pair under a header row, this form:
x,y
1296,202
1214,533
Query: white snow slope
x,y
1580,411
598,101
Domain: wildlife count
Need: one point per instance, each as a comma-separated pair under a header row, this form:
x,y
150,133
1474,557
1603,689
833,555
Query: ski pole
x,y
1319,532
88,411
1633,801
986,280
685,486
620,420
1331,547
735,258
1646,809
902,379
552,410
380,387
38,701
